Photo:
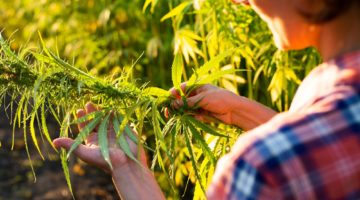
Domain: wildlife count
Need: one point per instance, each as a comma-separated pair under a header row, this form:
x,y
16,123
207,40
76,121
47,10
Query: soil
x,y
17,180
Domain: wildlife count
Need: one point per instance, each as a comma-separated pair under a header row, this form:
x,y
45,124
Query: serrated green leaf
x,y
33,134
204,69
121,140
126,148
176,71
196,134
103,140
24,121
17,118
88,117
215,76
203,126
192,158
64,126
84,133
175,11
157,92
66,171
44,127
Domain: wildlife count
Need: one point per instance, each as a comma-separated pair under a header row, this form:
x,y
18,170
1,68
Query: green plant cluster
x,y
48,84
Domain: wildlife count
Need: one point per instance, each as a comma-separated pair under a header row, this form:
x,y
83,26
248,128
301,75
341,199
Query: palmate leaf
x,y
85,132
211,77
201,141
203,70
103,139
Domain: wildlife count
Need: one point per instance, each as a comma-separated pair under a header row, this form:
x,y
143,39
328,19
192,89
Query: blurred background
x,y
103,37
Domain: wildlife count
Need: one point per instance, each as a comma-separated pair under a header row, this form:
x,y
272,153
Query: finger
x,y
80,113
178,103
194,101
197,101
90,107
203,118
85,153
183,86
243,2
174,92
204,88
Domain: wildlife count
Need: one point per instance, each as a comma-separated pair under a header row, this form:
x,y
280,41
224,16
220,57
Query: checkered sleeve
x,y
296,155
238,178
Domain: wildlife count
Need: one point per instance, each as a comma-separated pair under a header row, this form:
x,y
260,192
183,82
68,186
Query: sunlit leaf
x,y
203,70
44,127
204,127
33,134
192,158
157,92
196,134
66,171
84,133
176,71
103,139
176,11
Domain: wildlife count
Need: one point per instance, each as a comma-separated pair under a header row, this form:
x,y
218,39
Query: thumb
x,y
63,143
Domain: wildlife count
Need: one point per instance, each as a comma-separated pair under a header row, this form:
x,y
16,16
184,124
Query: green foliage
x,y
117,96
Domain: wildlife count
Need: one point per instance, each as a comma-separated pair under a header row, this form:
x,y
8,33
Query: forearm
x,y
249,114
134,182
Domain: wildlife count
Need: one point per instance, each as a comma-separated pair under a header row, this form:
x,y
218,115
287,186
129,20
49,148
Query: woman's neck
x,y
341,35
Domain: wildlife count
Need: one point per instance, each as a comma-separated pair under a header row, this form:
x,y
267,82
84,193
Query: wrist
x,y
128,166
135,181
248,114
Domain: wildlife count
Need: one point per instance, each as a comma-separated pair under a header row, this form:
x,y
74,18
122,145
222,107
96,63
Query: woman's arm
x,y
249,114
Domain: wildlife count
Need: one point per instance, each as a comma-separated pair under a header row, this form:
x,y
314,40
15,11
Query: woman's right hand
x,y
90,151
215,102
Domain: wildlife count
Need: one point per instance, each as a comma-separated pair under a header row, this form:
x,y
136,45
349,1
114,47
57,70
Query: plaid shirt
x,y
310,152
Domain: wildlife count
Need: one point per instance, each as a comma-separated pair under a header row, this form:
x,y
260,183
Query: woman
x,y
310,152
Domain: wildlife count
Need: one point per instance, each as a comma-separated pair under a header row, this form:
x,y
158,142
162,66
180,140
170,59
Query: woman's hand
x,y
90,152
215,102
212,101
131,180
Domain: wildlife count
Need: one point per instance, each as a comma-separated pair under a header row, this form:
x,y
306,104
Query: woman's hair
x,y
321,11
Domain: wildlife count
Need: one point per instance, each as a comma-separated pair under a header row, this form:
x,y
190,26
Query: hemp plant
x,y
40,83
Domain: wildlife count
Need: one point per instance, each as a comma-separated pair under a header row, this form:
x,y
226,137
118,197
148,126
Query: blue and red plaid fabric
x,y
310,152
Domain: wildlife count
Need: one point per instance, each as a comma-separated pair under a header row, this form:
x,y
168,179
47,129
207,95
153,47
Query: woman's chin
x,y
288,47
